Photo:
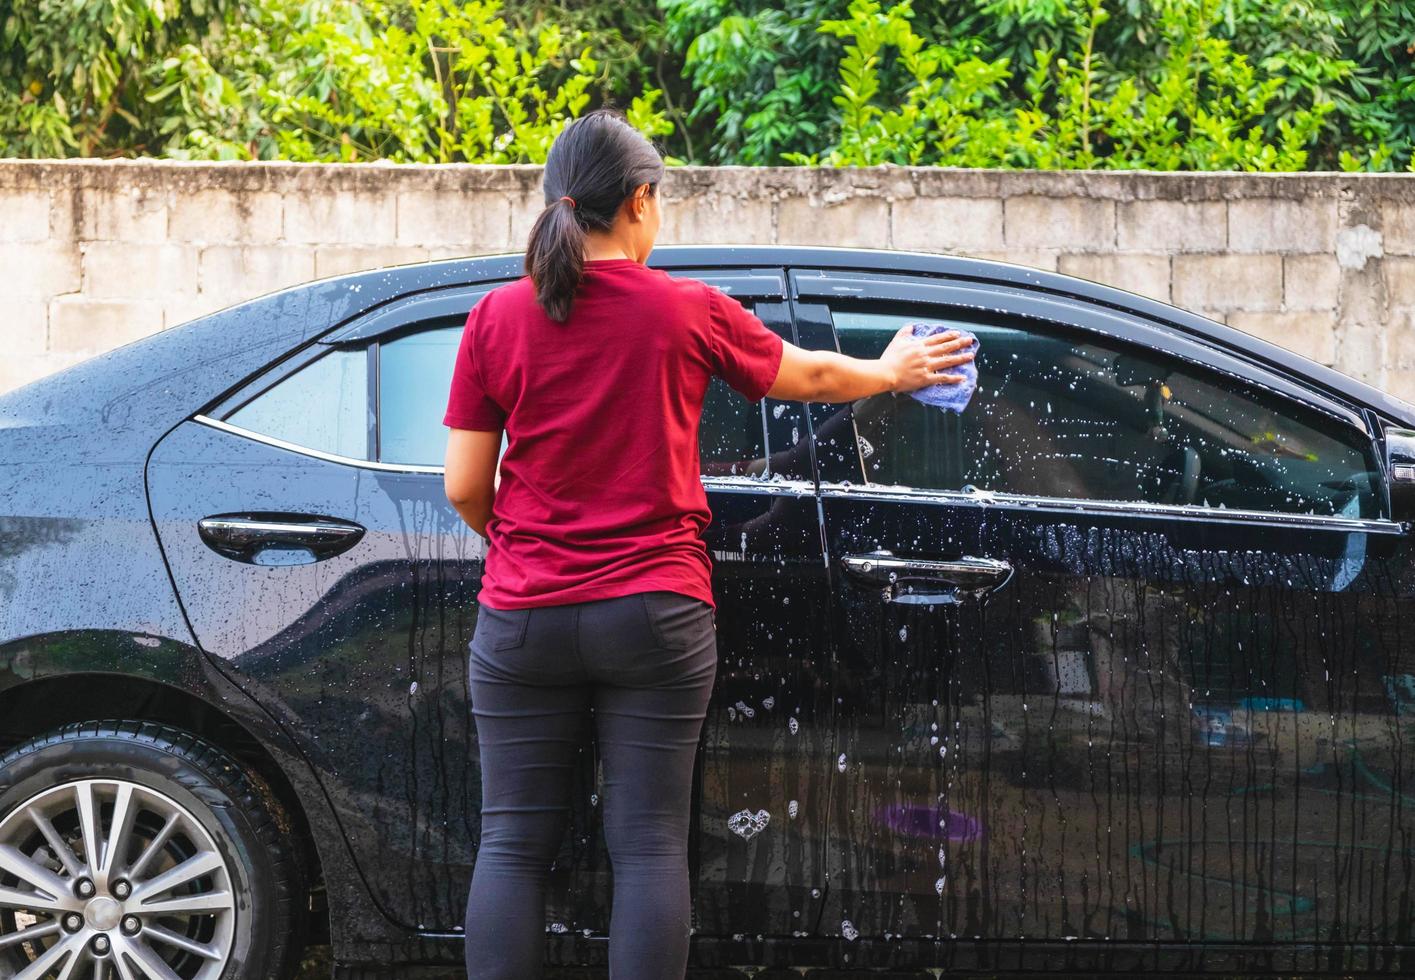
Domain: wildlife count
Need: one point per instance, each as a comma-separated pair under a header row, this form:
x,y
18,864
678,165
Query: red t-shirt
x,y
600,490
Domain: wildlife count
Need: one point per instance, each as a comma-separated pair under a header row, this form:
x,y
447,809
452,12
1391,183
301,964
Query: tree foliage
x,y
427,81
1055,83
1154,84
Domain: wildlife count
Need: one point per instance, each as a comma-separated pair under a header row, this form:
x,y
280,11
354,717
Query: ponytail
x,y
555,258
593,165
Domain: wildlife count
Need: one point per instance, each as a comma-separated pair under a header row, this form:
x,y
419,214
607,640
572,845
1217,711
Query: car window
x,y
414,376
767,439
322,406
1059,416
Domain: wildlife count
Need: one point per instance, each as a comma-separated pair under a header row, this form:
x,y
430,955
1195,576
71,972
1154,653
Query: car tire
x,y
233,883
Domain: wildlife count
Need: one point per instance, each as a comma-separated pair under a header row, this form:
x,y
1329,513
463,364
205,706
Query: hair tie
x,y
567,197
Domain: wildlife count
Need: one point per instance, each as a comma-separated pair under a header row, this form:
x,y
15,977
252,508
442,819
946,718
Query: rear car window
x,y
322,406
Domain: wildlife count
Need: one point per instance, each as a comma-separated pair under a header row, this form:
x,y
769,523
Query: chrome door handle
x,y
967,574
278,539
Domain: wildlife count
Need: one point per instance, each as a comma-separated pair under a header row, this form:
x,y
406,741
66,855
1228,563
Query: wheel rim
x,y
110,880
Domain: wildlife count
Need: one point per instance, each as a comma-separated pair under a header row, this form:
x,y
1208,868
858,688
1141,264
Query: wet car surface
x,y
1112,671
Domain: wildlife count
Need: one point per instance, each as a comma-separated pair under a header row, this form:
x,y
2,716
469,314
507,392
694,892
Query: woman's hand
x,y
920,362
907,364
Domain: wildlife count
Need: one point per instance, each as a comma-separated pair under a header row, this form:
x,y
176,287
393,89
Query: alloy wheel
x,y
110,880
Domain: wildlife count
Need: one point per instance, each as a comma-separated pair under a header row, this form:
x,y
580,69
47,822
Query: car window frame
x,y
963,299
408,315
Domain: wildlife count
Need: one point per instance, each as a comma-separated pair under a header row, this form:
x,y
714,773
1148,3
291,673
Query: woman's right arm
x,y
907,364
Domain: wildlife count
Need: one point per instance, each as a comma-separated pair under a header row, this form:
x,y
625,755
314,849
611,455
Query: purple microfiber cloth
x,y
953,397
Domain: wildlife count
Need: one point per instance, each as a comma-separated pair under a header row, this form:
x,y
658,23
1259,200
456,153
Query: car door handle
x,y
278,539
966,574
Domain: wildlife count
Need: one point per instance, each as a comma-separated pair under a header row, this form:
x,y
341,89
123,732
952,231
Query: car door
x,y
1119,648
321,566
322,569
757,844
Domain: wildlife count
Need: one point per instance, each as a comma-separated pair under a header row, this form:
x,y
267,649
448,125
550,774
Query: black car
x,y
1114,670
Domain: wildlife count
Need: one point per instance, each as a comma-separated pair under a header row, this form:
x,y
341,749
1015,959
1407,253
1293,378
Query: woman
x,y
596,592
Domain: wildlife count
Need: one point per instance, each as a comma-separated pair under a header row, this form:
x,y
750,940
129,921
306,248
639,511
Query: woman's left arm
x,y
471,474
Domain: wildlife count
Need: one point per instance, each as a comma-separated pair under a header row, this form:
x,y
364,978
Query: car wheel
x,y
132,850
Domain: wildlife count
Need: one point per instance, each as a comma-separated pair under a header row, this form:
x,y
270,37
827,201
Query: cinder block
x,y
527,207
1310,333
1263,224
1362,352
711,220
1227,282
1033,258
23,327
856,222
1398,227
346,217
1399,274
24,216
39,269
477,222
225,217
1171,226
21,369
131,270
65,214
941,223
438,252
1067,223
130,214
178,309
252,270
336,260
1401,347
1310,282
92,326
1147,275
1400,382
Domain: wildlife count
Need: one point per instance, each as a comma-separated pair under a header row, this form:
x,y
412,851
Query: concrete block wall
x,y
101,252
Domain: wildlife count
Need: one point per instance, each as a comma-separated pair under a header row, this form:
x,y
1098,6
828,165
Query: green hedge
x,y
1128,84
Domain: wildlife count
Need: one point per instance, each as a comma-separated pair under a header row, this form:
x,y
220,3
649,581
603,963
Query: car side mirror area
x,y
1400,464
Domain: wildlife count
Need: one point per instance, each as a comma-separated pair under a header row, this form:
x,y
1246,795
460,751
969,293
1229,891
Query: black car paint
x,y
90,595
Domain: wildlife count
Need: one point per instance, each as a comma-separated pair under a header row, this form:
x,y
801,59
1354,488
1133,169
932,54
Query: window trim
x,y
368,464
1116,508
728,484
821,287
824,286
405,313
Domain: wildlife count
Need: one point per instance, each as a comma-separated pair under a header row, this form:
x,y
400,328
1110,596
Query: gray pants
x,y
646,663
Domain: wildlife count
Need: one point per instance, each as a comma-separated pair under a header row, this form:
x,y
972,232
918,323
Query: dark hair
x,y
596,161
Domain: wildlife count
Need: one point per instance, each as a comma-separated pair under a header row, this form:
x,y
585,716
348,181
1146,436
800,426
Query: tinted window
x,y
734,433
1057,417
414,376
732,436
324,406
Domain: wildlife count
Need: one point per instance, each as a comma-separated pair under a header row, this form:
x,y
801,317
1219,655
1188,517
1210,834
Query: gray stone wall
x,y
101,252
